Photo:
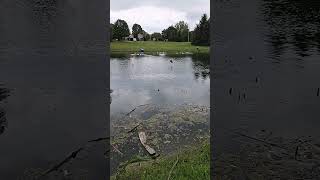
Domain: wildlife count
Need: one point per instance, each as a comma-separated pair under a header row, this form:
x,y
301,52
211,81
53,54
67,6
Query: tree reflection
x,y
4,93
292,25
201,64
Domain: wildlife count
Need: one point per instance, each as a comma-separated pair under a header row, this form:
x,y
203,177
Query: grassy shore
x,y
156,46
193,163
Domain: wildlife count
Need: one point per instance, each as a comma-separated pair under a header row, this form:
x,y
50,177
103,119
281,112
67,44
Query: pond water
x,y
172,88
52,87
159,80
268,53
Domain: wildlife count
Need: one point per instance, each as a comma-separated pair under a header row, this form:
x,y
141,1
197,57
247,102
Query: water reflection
x,y
294,25
161,80
4,93
200,63
268,51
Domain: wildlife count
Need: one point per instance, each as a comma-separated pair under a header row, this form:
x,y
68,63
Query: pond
x,y
52,92
268,53
161,80
167,96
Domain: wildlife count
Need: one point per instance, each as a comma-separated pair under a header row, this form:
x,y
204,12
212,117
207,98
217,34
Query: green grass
x,y
191,164
156,46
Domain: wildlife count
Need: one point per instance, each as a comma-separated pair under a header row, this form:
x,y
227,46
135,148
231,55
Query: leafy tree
x,y
146,36
111,31
170,34
182,31
120,29
157,36
137,29
201,34
191,34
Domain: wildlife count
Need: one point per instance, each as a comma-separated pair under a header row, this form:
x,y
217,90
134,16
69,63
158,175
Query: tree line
x,y
176,33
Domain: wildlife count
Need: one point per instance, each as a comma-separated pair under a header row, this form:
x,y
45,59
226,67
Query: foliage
x,y
111,31
170,33
146,36
201,34
182,31
136,29
120,29
179,32
157,36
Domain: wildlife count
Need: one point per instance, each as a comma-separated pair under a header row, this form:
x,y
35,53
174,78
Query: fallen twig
x,y
171,170
260,140
99,139
134,128
71,156
117,149
131,111
67,159
135,109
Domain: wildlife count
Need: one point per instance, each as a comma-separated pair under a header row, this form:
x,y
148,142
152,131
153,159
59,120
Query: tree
x,y
146,36
182,31
170,34
111,31
137,29
201,34
120,29
191,34
157,36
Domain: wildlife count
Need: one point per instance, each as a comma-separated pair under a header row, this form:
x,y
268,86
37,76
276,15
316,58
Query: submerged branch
x,y
67,159
260,140
99,139
73,155
135,109
134,128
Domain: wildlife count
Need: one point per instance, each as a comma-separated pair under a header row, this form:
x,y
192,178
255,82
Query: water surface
x,y
147,79
268,52
52,86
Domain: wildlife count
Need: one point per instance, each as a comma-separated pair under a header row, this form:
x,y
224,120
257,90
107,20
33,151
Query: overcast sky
x,y
156,15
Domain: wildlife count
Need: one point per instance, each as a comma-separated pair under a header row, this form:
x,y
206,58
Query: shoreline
x,y
153,47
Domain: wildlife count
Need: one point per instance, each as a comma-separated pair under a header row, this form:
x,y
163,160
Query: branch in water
x,y
99,139
135,109
67,159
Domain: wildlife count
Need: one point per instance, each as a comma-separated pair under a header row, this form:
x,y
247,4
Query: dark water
x,y
53,81
138,80
269,51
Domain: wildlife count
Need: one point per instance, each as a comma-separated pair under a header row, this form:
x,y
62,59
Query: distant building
x,y
129,38
132,38
140,37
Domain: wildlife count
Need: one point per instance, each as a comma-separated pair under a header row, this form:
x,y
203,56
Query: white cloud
x,y
156,15
150,18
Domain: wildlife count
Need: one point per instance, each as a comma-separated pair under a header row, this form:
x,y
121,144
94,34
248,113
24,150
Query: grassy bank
x,y
156,46
193,163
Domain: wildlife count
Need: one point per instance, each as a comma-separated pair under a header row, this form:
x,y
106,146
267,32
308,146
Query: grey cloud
x,y
181,5
193,9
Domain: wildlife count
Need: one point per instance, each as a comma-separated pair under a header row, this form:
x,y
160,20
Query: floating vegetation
x,y
164,129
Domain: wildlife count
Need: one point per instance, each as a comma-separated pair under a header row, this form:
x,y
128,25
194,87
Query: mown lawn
x,y
156,46
189,164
